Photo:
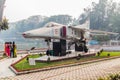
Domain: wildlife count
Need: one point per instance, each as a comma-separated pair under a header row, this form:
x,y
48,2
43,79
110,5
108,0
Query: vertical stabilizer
x,y
87,24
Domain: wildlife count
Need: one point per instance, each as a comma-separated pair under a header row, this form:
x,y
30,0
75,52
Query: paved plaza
x,y
80,72
5,63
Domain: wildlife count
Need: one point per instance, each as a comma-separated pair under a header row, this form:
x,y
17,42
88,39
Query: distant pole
x,y
2,2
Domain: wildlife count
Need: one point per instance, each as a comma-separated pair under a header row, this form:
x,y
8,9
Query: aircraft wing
x,y
93,32
102,32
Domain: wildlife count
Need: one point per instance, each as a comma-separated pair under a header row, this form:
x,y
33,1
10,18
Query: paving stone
x,y
91,71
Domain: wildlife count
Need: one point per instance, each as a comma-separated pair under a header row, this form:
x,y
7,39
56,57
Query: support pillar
x,y
59,48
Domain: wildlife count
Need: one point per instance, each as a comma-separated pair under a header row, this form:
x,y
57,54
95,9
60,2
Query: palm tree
x,y
4,24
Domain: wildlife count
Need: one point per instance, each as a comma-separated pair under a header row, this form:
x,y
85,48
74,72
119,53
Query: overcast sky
x,y
20,9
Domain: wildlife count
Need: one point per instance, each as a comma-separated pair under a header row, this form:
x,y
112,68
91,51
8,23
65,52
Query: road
x,y
80,72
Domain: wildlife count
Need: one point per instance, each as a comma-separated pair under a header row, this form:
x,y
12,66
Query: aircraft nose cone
x,y
23,34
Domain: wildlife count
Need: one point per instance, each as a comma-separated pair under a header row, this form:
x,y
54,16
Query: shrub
x,y
108,54
114,77
101,79
79,56
101,50
40,54
48,59
111,77
27,59
98,53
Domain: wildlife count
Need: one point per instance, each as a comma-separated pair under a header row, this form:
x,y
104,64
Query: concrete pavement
x,y
91,71
5,63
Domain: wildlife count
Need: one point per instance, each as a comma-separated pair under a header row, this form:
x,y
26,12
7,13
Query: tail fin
x,y
87,23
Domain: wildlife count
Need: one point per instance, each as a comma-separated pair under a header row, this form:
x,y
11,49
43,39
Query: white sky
x,y
20,9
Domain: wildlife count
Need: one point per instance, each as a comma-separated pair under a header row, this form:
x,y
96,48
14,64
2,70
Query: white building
x,y
111,43
114,43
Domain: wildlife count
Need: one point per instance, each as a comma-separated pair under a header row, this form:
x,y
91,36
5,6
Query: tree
x,y
103,15
4,24
85,16
98,15
62,19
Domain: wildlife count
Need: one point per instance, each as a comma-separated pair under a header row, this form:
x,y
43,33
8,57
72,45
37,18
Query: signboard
x,y
31,61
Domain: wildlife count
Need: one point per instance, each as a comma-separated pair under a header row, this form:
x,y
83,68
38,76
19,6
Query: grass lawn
x,y
24,64
105,53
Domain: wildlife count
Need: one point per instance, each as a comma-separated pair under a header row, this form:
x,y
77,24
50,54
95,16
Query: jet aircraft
x,y
78,35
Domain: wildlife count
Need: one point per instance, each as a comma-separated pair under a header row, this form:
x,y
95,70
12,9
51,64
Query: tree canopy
x,y
4,24
103,15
